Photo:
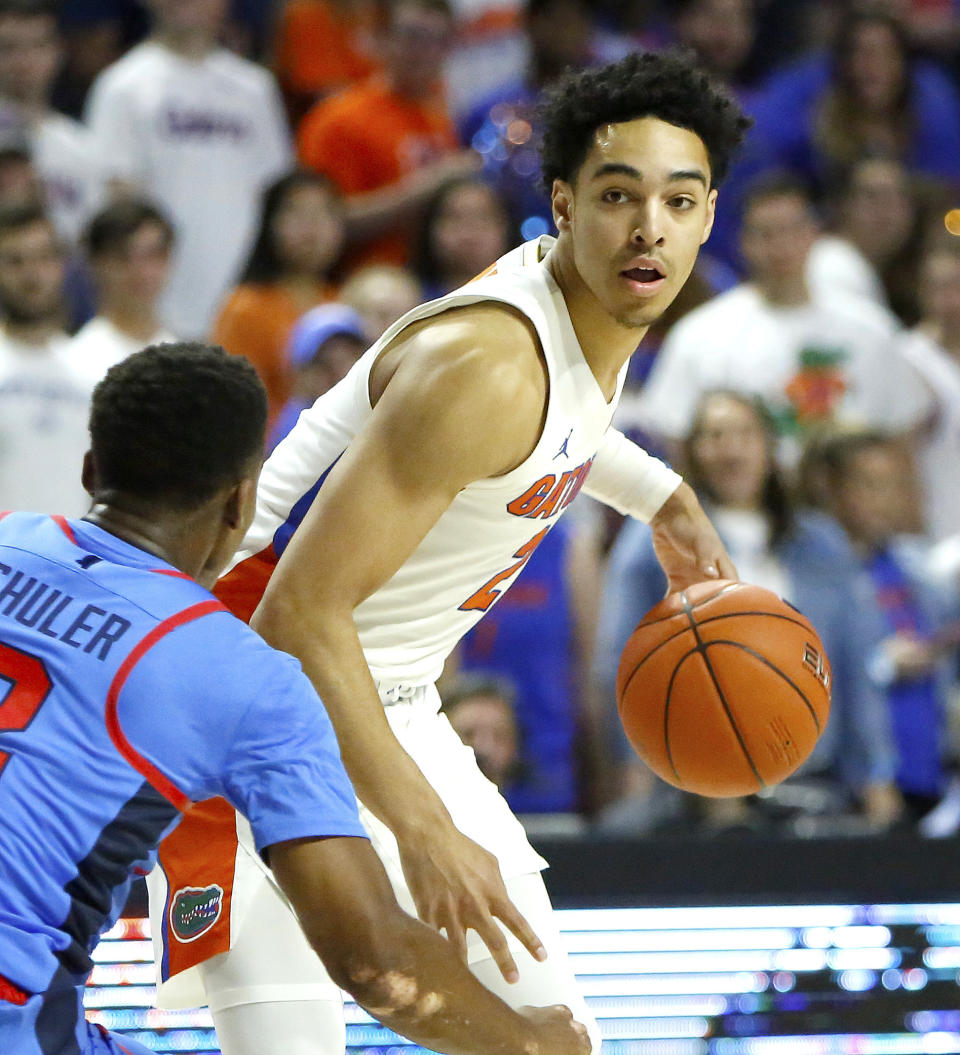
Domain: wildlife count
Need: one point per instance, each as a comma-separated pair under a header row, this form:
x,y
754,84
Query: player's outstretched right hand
x,y
556,1031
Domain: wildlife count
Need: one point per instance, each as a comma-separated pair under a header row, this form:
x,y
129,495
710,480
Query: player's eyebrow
x,y
620,168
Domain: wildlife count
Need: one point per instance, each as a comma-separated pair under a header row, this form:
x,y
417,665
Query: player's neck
x,y
606,343
172,537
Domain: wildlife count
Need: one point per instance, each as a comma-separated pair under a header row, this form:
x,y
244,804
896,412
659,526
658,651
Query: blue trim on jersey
x,y
99,889
61,1008
283,534
165,945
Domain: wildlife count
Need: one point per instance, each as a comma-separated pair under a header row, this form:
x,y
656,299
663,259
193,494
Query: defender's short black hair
x,y
174,423
666,85
114,225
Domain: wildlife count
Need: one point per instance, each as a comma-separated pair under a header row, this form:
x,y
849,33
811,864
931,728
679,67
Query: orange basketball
x,y
723,689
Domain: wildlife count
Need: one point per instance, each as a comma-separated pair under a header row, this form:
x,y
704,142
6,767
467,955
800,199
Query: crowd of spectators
x,y
289,177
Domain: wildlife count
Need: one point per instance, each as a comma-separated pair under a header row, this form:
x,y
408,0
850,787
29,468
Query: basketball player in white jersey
x,y
405,502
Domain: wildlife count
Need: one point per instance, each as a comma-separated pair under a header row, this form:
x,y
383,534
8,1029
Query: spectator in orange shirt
x,y
288,272
389,142
322,46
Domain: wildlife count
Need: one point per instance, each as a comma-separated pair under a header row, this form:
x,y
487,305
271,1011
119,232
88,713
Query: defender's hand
x,y
457,886
687,544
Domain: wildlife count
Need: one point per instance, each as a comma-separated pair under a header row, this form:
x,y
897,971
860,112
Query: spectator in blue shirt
x,y
871,489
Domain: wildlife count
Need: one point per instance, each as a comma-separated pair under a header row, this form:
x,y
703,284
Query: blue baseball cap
x,y
314,328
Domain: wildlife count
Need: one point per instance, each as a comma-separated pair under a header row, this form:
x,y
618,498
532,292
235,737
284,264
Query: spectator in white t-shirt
x,y
814,358
61,149
128,245
200,131
933,349
44,401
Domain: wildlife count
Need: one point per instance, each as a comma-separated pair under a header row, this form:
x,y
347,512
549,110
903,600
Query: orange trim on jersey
x,y
201,851
172,572
198,854
10,992
491,270
242,587
64,526
120,742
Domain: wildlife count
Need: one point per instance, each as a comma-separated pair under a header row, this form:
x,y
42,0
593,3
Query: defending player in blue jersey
x,y
129,692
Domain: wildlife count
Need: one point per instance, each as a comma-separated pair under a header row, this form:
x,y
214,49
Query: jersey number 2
x,y
29,685
486,595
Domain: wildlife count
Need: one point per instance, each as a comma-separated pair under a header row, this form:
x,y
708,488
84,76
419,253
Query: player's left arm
x,y
634,483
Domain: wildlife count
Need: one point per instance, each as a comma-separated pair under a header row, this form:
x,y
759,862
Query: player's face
x,y
637,213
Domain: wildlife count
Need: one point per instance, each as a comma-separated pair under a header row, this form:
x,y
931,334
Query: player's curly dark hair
x,y
667,85
174,423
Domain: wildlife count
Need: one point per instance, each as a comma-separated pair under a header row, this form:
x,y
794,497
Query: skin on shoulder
x,y
482,364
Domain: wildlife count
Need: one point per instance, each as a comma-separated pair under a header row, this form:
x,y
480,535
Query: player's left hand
x,y
687,544
457,886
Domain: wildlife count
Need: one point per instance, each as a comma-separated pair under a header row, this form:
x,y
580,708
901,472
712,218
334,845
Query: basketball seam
x,y
763,659
802,623
666,708
701,648
703,600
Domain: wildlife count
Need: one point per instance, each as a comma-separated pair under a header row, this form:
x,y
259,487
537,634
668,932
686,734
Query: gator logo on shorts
x,y
195,910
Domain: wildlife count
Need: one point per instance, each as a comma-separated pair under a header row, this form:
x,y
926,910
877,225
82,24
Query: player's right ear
x,y
88,474
242,505
561,200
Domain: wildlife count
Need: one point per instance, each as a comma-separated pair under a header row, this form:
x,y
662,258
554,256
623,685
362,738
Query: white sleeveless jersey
x,y
477,548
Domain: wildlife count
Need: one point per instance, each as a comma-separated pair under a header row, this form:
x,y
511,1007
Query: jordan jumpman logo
x,y
563,447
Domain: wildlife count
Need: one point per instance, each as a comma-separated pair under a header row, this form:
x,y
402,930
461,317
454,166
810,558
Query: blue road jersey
x,y
127,691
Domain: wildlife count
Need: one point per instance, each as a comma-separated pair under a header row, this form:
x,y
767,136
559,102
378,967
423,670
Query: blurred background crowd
x,y
288,177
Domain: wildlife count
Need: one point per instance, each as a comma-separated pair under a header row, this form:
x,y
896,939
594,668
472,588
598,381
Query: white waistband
x,y
391,694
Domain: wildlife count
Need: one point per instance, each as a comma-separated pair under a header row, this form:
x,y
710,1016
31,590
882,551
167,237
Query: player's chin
x,y
637,316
